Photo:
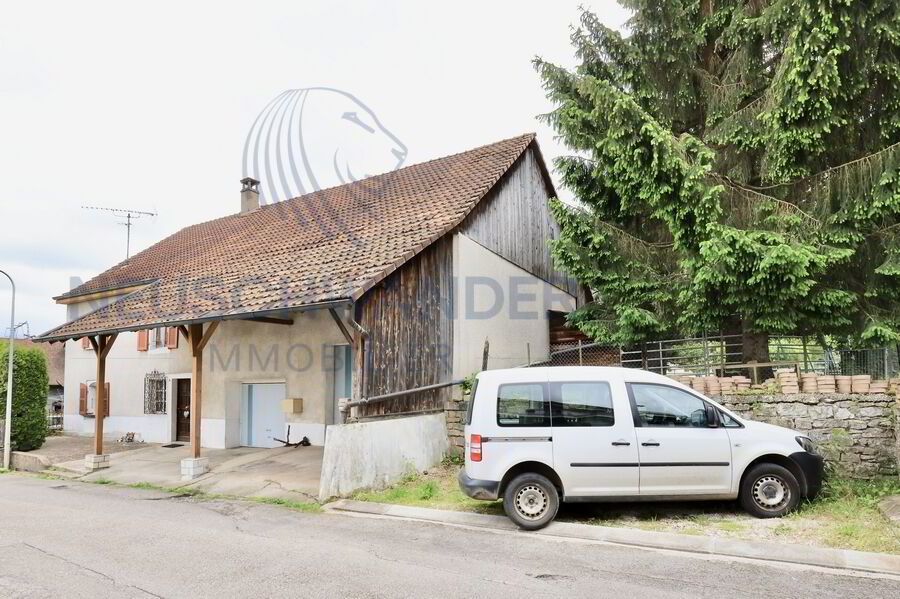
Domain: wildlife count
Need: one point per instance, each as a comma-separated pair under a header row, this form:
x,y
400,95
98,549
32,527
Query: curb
x,y
842,559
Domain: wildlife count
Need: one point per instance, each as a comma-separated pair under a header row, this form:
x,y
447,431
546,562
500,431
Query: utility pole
x,y
129,215
7,432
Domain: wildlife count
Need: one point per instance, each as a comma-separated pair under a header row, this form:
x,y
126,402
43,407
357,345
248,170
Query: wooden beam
x,y
100,397
110,339
93,341
271,320
204,339
341,325
184,332
195,336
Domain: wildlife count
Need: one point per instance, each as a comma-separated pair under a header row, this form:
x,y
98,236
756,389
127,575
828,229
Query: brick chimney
x,y
249,194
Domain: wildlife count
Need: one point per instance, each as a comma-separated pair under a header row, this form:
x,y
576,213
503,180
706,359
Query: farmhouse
x,y
251,329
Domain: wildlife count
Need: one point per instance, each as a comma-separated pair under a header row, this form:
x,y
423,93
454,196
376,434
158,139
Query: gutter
x,y
174,323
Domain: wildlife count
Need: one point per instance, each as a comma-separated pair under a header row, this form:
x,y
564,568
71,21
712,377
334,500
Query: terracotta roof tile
x,y
326,246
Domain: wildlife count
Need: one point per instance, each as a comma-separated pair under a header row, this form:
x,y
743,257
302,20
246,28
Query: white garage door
x,y
261,417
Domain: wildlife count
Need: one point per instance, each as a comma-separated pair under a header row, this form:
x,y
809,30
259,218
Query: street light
x,y
7,438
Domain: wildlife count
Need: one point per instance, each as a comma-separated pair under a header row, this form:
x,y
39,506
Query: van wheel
x,y
769,491
531,501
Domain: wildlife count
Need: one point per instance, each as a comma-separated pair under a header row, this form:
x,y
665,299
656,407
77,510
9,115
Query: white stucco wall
x,y
126,368
375,454
239,352
497,300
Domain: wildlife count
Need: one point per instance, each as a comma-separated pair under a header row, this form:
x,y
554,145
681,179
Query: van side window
x,y
660,405
523,404
582,404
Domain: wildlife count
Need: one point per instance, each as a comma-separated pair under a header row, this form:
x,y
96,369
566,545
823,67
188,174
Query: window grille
x,y
155,393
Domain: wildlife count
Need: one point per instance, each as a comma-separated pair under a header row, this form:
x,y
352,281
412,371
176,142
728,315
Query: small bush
x,y
29,405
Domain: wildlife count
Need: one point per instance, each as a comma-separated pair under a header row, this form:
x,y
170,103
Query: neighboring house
x,y
56,365
382,285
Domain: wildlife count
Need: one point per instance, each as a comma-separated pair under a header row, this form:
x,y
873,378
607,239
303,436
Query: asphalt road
x,y
68,539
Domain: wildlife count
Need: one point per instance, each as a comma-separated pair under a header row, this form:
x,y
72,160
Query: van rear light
x,y
475,448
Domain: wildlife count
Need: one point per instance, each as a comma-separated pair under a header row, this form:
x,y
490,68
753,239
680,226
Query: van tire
x,y
531,501
769,491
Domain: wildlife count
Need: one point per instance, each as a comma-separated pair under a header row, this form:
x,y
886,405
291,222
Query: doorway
x,y
262,418
183,410
342,381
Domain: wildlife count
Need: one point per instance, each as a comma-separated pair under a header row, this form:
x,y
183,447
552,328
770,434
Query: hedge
x,y
30,387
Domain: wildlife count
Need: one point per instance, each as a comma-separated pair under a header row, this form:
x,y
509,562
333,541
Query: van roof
x,y
562,372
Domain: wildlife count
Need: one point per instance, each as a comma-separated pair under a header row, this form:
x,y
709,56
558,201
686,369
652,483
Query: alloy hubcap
x,y
771,493
531,502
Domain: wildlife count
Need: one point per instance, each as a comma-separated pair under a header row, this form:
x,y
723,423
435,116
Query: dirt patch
x,y
65,448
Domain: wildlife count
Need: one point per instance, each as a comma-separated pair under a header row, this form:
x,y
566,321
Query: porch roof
x,y
319,250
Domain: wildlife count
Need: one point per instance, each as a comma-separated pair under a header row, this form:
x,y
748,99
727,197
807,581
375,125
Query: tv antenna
x,y
129,216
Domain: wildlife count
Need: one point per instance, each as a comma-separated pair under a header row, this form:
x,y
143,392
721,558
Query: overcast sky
x,y
148,107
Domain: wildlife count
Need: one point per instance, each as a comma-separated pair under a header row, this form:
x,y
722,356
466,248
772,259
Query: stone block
x,y
96,462
872,412
191,468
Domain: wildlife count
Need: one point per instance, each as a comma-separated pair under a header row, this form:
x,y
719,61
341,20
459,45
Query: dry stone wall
x,y
857,433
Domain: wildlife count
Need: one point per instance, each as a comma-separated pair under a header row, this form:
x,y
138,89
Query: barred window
x,y
155,393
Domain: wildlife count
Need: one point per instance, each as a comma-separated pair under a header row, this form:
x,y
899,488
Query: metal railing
x,y
722,355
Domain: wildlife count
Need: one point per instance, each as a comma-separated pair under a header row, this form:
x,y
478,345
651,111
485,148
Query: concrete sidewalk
x,y
284,473
842,559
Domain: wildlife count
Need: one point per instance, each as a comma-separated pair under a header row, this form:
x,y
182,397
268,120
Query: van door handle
x,y
650,444
621,443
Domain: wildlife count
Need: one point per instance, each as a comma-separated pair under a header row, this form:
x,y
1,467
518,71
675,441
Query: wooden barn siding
x,y
514,221
409,319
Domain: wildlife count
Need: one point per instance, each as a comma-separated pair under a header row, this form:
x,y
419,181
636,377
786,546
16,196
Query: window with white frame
x,y
155,393
157,338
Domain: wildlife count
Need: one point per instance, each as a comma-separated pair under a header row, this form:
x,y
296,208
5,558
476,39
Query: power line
x,y
129,215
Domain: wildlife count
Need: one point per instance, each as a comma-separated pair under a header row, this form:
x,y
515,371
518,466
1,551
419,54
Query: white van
x,y
535,436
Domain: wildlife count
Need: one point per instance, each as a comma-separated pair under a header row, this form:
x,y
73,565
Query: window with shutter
x,y
85,343
143,340
172,337
82,399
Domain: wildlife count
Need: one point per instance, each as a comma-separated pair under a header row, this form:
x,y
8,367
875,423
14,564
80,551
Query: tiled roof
x,y
327,246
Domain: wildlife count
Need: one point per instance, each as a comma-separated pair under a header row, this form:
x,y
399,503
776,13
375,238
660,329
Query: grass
x,y
844,516
436,489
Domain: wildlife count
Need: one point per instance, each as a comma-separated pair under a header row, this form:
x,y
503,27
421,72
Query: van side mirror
x,y
712,416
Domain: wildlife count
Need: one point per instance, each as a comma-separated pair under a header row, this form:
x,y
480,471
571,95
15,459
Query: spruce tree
x,y
736,167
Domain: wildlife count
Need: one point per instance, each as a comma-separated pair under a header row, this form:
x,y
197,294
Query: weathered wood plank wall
x,y
514,221
409,319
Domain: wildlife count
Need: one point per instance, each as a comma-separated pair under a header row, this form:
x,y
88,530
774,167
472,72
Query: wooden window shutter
x,y
106,400
85,343
172,337
143,340
82,399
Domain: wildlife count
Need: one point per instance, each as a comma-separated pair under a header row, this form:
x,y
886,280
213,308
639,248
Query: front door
x,y
262,415
594,444
183,410
679,453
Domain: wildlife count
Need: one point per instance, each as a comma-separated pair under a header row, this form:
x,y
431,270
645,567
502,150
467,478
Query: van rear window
x,y
523,404
471,403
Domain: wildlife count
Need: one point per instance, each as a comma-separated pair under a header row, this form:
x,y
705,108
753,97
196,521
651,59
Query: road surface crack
x,y
91,570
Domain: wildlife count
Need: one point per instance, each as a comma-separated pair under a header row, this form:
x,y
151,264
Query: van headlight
x,y
807,444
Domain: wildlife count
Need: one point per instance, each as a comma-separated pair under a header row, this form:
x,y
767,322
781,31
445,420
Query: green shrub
x,y
29,405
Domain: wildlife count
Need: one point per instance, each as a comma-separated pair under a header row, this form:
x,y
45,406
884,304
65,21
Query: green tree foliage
x,y
30,386
736,165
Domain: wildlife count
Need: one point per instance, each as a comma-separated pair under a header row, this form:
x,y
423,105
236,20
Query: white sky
x,y
147,107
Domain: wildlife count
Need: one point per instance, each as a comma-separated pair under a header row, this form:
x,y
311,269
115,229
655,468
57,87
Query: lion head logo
x,y
310,139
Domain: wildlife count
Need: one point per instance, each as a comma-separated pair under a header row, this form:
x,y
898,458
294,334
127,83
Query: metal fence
x,y
723,355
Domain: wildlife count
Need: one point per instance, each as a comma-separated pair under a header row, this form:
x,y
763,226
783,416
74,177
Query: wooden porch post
x,y
198,340
101,344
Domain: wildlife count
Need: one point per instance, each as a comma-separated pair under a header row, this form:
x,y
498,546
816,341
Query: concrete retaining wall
x,y
373,455
857,433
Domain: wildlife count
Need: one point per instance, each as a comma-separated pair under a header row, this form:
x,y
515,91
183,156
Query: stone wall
x,y
456,421
856,433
